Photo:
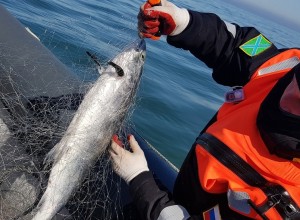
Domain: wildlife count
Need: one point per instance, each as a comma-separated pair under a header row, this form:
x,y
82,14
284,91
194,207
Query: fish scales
x,y
98,117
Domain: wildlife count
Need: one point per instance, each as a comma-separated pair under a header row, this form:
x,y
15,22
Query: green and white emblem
x,y
256,46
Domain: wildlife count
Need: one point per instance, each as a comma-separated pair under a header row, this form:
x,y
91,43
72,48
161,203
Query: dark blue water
x,y
177,95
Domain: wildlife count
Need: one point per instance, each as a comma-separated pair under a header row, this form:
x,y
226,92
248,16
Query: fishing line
x,y
34,122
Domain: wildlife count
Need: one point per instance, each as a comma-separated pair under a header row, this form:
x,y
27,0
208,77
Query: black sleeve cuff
x,y
148,198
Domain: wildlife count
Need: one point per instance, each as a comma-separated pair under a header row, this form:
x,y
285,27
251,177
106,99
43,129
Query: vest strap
x,y
277,196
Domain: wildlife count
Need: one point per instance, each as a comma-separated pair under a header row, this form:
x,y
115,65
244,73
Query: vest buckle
x,y
283,203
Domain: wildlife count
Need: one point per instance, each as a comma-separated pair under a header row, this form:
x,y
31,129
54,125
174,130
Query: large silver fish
x,y
98,117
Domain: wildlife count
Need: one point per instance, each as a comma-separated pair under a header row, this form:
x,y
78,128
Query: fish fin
x,y
53,155
94,58
48,159
100,68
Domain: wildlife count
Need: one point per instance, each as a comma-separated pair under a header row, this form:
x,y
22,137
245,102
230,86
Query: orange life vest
x,y
236,128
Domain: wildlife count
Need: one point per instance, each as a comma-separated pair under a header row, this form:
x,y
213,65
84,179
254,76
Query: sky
x,y
284,11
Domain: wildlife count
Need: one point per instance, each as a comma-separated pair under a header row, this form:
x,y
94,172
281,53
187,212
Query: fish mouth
x,y
141,45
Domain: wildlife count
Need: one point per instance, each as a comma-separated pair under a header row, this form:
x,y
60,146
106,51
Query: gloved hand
x,y
125,163
167,19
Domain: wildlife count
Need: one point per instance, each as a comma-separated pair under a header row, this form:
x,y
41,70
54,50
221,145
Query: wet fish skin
x,y
98,117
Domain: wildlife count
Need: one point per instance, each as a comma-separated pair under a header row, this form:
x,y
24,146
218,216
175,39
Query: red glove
x,y
166,19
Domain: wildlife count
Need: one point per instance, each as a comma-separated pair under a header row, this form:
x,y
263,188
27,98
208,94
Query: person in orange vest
x,y
245,163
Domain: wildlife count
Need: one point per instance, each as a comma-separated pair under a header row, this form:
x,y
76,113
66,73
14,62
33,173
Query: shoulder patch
x,y
256,46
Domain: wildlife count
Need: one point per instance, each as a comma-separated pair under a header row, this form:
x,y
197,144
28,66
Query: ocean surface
x,y
177,95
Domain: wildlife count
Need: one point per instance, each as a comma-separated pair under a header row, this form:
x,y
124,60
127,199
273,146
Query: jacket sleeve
x,y
153,203
217,43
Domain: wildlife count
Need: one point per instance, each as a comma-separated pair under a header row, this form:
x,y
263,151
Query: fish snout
x,y
138,45
141,45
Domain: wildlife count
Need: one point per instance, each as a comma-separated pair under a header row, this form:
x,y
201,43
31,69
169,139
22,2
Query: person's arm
x,y
151,202
233,52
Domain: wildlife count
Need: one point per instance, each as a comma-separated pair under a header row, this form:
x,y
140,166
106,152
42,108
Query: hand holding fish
x,y
125,163
166,18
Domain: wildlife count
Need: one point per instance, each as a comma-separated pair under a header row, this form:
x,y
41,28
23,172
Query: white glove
x,y
125,163
167,19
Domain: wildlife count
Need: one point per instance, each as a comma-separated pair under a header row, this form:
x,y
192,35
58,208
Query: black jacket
x,y
217,44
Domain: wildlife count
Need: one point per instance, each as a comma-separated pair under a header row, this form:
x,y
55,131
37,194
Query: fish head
x,y
127,66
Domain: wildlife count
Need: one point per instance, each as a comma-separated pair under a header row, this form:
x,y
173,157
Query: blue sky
x,y
285,11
